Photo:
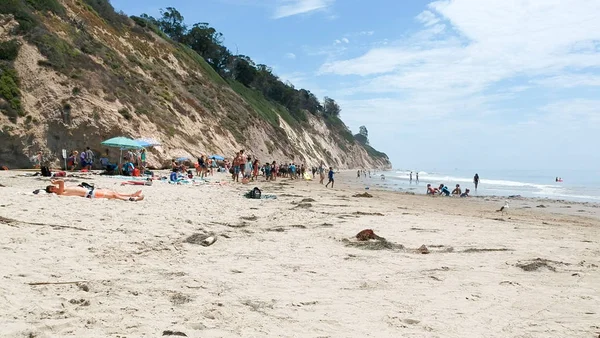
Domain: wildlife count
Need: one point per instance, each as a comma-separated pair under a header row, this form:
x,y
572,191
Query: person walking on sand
x,y
58,187
331,180
476,180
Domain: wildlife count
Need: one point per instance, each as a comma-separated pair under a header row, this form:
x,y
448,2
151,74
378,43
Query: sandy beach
x,y
290,266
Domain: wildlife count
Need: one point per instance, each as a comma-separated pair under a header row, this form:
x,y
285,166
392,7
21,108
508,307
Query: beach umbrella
x,y
148,142
121,142
217,157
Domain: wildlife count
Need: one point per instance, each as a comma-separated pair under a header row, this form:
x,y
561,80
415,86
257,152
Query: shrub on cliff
x,y
9,50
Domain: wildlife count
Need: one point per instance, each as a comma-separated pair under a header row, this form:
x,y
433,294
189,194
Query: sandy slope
x,y
282,268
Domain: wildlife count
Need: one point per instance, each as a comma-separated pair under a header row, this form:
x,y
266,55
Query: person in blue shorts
x,y
293,171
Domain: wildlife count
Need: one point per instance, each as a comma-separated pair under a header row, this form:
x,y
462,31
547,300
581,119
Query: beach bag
x,y
254,193
46,172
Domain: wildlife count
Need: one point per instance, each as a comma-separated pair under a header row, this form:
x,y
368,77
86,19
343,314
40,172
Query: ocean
x,y
577,185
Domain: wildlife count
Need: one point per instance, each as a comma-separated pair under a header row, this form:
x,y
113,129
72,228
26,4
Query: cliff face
x,y
81,81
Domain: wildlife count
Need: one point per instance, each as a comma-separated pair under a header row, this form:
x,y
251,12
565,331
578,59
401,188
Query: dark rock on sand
x,y
202,239
174,333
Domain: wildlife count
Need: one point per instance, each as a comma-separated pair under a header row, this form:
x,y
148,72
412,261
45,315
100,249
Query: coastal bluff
x,y
74,73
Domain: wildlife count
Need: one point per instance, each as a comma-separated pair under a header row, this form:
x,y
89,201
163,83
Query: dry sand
x,y
289,267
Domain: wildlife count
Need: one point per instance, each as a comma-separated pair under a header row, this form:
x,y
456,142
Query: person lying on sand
x,y
147,182
58,187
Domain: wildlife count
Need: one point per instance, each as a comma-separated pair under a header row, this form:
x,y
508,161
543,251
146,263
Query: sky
x,y
494,84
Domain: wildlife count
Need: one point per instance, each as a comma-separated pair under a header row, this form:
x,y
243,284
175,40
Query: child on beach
x,y
330,175
444,190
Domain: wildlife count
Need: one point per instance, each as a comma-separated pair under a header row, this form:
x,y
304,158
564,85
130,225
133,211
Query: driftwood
x,y
57,283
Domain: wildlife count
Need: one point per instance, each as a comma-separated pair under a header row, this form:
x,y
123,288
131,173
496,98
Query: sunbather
x,y
147,182
58,187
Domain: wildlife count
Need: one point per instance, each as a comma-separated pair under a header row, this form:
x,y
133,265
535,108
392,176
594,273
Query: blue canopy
x,y
217,157
182,159
147,142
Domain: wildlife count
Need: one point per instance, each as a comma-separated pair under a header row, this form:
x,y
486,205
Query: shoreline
x,y
348,180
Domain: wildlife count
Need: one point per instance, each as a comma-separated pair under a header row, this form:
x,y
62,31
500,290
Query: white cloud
x,y
340,41
427,18
573,112
569,80
287,8
471,58
290,56
496,40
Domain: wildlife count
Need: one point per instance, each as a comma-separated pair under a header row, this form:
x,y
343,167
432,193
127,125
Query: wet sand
x,y
290,267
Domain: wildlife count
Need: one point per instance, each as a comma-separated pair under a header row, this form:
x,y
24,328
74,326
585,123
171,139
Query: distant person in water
x,y
58,187
417,174
457,190
476,180
410,179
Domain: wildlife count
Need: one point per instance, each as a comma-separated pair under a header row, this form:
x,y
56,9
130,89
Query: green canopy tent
x,y
121,142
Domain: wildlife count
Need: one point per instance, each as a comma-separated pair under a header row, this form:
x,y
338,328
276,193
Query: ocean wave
x,y
450,180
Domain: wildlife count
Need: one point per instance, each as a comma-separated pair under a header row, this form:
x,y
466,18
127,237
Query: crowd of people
x,y
248,169
444,190
86,160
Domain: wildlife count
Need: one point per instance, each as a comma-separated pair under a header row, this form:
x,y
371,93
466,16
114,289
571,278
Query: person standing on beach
x,y
476,180
143,160
322,173
331,180
235,170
